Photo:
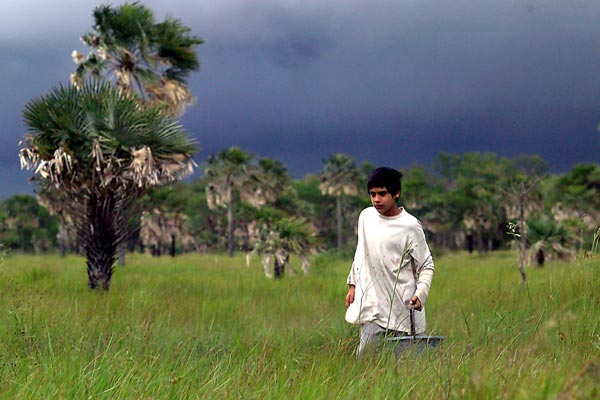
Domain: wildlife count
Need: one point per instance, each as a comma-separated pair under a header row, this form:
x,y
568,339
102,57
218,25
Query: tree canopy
x,y
131,49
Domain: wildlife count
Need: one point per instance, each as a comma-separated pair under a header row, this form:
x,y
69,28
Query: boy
x,y
392,268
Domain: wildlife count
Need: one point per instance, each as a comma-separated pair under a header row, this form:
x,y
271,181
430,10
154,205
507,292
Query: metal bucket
x,y
416,344
413,343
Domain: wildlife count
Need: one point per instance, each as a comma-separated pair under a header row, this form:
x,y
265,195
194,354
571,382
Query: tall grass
x,y
205,326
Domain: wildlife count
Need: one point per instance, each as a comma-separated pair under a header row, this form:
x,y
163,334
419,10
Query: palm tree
x,y
164,222
271,181
296,236
548,239
139,55
101,148
129,48
339,176
228,171
280,236
160,229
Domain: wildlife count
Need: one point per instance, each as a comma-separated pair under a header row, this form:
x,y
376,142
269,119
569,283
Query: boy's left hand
x,y
415,303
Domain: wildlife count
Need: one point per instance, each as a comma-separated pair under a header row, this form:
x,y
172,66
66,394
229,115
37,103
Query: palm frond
x,y
100,128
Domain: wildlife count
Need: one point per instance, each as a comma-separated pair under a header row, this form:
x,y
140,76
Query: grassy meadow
x,y
206,326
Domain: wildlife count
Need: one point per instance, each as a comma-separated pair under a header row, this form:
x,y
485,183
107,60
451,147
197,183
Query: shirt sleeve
x,y
358,254
423,260
351,277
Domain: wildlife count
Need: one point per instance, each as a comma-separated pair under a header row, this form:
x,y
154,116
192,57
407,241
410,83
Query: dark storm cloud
x,y
392,82
296,50
290,37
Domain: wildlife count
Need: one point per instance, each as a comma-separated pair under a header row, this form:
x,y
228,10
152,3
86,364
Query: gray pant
x,y
371,335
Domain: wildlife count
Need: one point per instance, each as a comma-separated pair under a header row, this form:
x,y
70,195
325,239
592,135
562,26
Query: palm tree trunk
x,y
523,243
338,201
480,244
266,263
99,268
281,260
230,227
100,242
173,245
305,264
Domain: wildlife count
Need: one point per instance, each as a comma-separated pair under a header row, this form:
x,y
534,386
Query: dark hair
x,y
386,177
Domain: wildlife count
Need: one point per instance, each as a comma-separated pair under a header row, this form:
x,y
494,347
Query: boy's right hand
x,y
350,296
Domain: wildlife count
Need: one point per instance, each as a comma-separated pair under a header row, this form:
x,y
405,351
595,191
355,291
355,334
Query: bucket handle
x,y
411,309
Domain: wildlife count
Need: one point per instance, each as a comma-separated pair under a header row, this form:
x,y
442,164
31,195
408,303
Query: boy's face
x,y
384,202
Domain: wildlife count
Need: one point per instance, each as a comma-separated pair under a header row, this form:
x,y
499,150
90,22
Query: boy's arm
x,y
424,267
350,295
351,282
358,255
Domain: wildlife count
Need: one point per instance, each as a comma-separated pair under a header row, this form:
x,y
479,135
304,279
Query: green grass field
x,y
206,326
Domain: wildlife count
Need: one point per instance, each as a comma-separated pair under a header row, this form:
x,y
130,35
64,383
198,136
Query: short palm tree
x,y
101,148
138,54
280,236
548,238
297,236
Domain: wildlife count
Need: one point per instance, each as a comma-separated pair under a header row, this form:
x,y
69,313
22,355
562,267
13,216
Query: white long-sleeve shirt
x,y
391,264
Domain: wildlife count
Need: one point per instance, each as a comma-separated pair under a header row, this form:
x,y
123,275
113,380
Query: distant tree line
x,y
242,203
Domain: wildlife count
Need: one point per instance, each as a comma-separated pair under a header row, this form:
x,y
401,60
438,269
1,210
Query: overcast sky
x,y
390,82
